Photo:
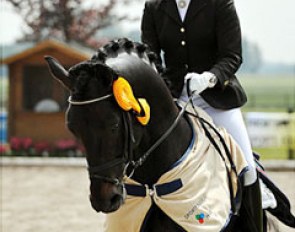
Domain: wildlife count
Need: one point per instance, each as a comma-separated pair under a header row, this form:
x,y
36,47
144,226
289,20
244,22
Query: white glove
x,y
199,82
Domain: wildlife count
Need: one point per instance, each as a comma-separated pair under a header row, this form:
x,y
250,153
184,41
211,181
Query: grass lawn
x,y
269,93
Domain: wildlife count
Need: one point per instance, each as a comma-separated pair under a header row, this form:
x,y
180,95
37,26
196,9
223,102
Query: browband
x,y
89,101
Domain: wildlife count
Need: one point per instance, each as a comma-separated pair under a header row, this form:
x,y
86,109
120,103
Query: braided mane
x,y
124,45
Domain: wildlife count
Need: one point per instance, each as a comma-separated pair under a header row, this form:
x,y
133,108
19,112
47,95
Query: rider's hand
x,y
199,82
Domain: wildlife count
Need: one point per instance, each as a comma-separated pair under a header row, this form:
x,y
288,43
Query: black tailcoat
x,y
209,39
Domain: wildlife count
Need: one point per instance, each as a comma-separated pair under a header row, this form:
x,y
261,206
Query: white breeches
x,y
232,121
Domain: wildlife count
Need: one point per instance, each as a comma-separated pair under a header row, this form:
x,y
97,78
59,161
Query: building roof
x,y
18,52
10,50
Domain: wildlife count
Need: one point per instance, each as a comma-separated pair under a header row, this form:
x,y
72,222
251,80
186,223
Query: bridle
x,y
127,158
128,144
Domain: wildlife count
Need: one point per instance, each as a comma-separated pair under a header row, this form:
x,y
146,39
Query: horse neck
x,y
148,84
163,114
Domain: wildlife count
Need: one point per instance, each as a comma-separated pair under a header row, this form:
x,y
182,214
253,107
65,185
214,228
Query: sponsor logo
x,y
200,218
194,208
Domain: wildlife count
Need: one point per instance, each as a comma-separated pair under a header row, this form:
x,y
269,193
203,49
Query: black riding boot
x,y
251,216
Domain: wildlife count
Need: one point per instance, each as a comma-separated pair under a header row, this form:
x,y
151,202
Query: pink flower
x,y
3,149
41,147
27,143
20,144
66,144
15,144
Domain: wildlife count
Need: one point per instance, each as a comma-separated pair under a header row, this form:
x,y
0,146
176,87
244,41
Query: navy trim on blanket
x,y
161,189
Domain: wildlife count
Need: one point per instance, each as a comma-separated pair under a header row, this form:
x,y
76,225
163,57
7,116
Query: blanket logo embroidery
x,y
194,208
199,214
200,217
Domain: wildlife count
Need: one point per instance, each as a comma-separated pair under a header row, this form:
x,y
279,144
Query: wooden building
x,y
37,102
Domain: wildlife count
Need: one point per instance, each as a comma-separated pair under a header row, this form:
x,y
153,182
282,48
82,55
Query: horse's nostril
x,y
106,197
116,198
107,206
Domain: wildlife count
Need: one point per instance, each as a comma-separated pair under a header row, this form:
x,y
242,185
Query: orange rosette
x,y
147,114
125,98
124,95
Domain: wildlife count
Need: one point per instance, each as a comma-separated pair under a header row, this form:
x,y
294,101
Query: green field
x,y
269,93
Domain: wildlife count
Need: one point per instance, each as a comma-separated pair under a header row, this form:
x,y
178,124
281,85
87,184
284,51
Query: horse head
x,y
119,106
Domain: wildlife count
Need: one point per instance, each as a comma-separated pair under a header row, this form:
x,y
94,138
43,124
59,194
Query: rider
x,y
200,41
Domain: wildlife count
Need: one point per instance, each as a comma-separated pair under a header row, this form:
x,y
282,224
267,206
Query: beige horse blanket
x,y
201,203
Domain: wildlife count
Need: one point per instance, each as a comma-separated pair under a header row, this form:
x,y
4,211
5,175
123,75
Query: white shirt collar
x,y
182,11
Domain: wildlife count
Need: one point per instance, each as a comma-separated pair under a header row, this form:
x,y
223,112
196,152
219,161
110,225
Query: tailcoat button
x,y
183,43
182,30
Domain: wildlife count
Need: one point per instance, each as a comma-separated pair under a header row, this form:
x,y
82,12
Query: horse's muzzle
x,y
107,197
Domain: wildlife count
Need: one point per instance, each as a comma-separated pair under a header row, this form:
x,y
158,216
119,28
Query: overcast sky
x,y
269,23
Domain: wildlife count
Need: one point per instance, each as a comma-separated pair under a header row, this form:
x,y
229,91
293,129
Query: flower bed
x,y
27,147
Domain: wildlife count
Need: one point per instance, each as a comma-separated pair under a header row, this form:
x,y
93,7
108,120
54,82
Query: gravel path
x,y
55,199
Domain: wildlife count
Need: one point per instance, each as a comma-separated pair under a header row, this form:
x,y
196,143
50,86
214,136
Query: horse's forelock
x,y
92,68
91,77
76,69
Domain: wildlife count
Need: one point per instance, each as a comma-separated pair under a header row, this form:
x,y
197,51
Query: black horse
x,y
120,135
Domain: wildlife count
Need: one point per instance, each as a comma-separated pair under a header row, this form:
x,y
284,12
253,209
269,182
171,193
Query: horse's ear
x,y
59,72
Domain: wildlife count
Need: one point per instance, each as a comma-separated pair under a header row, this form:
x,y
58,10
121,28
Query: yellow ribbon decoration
x,y
125,98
